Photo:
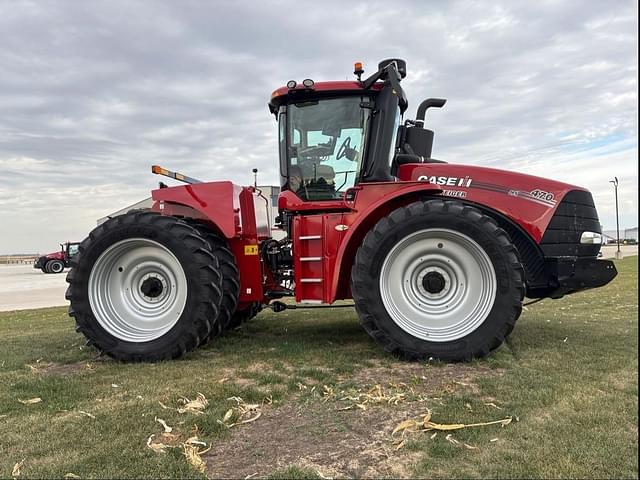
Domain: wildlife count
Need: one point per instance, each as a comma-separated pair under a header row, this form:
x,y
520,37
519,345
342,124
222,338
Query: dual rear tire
x,y
150,287
53,266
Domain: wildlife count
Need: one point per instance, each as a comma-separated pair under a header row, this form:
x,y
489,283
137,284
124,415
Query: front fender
x,y
372,202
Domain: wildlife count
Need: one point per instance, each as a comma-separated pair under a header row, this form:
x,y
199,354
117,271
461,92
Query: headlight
x,y
591,238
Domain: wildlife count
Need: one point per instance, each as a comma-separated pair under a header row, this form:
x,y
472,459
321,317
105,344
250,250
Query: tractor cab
x,y
69,249
335,135
322,145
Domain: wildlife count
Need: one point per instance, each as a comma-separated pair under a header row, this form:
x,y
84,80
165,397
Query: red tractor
x,y
56,262
438,258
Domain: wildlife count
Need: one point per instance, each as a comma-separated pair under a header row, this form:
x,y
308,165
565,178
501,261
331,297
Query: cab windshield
x,y
325,145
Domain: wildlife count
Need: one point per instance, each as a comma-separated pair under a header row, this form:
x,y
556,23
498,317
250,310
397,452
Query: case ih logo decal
x,y
448,181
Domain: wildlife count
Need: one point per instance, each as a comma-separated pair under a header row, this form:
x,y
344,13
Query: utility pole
x,y
615,186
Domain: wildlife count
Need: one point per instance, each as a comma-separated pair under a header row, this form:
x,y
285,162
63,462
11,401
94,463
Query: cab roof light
x,y
291,84
308,83
358,69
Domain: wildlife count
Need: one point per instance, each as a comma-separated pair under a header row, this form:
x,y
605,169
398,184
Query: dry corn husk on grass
x,y
242,413
424,424
195,406
192,448
393,394
15,473
193,454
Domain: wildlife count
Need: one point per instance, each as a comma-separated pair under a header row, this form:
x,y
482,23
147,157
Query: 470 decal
x,y
542,195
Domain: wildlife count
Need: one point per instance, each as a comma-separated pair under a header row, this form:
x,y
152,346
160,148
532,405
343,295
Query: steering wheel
x,y
342,151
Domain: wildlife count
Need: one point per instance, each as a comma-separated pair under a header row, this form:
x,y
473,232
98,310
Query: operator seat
x,y
319,185
321,171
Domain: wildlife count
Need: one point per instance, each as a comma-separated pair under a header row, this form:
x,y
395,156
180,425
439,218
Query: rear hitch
x,y
279,306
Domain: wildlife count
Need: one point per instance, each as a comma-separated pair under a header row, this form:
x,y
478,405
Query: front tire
x,y
439,279
145,287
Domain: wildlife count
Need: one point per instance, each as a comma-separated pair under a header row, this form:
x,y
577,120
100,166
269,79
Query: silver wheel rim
x,y
57,267
137,290
461,292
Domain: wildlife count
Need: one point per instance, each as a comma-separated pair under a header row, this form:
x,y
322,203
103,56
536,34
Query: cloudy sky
x,y
93,93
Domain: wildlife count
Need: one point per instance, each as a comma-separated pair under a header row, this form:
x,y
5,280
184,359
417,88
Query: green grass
x,y
568,372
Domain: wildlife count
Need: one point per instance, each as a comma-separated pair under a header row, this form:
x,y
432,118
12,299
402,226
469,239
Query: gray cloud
x,y
93,93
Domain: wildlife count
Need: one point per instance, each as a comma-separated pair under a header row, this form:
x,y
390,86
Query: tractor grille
x,y
575,214
532,259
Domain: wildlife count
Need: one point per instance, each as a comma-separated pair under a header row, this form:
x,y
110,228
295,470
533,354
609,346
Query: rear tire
x,y
245,314
55,266
145,287
230,275
439,279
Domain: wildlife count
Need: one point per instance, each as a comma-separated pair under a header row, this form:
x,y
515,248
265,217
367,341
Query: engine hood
x,y
54,256
529,200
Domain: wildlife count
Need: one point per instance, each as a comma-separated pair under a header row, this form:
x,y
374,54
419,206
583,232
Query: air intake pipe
x,y
422,109
415,140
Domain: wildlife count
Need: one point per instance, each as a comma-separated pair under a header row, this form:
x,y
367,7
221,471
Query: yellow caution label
x,y
251,250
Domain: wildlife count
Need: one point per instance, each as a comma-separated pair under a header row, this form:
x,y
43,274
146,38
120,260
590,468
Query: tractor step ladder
x,y
310,265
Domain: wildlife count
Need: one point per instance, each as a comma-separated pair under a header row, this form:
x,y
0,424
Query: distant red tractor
x,y
56,262
438,258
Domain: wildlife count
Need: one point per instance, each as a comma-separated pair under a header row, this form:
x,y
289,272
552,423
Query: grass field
x,y
567,377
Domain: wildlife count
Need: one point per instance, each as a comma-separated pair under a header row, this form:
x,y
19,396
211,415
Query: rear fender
x,y
229,210
215,202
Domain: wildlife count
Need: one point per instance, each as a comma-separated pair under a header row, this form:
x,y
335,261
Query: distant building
x,y
271,193
631,233
625,234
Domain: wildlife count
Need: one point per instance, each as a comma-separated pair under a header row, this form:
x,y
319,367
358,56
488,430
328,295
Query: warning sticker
x,y
251,250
